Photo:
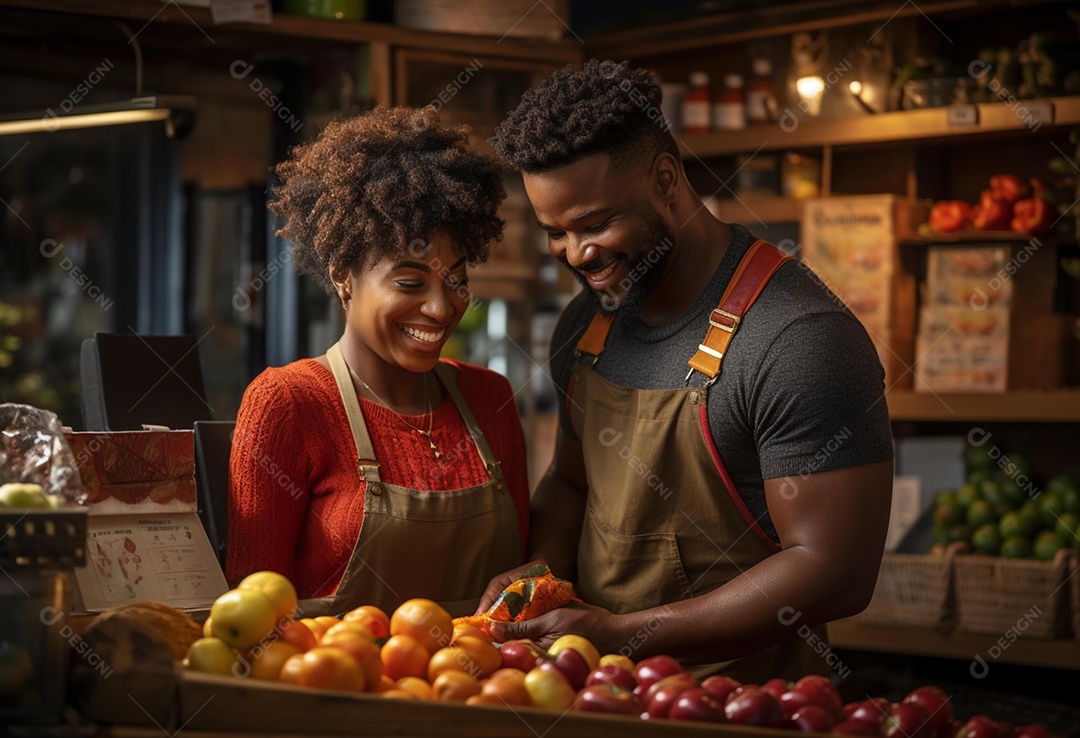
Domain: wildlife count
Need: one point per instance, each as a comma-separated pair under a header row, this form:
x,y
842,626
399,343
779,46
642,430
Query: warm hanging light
x,y
178,111
175,110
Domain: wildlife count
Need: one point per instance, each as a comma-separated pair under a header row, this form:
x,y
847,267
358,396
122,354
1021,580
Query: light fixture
x,y
856,88
176,110
808,57
810,89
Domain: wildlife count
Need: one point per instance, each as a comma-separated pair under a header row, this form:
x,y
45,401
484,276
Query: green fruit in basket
x,y
979,514
1047,544
976,457
948,514
1016,525
1016,548
1030,512
1051,507
990,489
1065,526
940,534
14,494
978,476
967,495
986,540
958,532
945,497
1066,487
1011,491
1001,509
1021,466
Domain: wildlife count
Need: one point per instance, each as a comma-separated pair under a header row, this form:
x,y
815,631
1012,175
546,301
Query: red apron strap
x,y
754,271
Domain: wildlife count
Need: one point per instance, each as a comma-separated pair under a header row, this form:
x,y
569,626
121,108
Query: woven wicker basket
x,y
995,596
42,539
914,590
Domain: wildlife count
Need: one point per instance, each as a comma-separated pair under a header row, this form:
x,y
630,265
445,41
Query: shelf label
x,y
1036,112
963,116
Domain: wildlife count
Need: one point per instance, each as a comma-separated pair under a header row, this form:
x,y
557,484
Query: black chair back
x,y
213,446
129,380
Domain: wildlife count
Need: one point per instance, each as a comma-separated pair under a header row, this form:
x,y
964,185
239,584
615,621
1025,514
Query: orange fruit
x,y
317,629
486,657
297,634
455,686
398,694
417,687
404,656
385,684
452,658
464,629
266,663
424,620
506,687
349,627
324,668
361,648
375,619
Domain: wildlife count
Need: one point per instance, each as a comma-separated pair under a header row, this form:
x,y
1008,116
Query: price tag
x,y
962,116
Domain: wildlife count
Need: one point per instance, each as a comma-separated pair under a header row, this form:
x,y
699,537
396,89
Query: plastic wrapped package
x,y
33,451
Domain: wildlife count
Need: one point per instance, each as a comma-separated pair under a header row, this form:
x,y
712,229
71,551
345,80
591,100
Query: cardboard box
x,y
852,244
145,542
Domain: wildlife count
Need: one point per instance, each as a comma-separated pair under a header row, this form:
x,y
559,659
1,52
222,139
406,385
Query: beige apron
x,y
663,522
442,545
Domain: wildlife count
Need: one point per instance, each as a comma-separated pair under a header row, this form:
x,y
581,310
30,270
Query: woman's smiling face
x,y
404,308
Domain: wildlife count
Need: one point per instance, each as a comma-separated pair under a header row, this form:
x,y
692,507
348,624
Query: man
x,y
720,517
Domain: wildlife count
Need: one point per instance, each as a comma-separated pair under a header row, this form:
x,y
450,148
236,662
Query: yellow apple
x,y
242,617
277,588
211,655
15,494
208,628
581,645
617,659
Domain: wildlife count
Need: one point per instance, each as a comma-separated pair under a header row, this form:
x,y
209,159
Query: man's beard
x,y
642,274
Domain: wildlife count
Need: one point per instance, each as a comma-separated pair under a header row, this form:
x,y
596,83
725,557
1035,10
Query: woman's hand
x,y
501,582
599,626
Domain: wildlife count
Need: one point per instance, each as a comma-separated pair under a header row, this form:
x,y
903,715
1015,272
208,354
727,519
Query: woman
x,y
377,472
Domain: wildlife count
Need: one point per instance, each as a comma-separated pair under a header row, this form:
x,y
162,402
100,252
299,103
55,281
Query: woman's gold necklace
x,y
427,404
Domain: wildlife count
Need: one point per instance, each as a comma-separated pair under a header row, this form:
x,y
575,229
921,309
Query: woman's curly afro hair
x,y
369,186
604,107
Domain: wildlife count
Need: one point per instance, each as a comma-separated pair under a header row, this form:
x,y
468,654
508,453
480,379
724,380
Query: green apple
x,y
14,494
242,617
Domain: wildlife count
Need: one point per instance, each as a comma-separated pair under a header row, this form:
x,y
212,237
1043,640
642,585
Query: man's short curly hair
x,y
604,107
369,186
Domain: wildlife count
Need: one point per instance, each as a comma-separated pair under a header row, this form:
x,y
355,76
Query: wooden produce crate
x,y
212,704
1025,598
914,590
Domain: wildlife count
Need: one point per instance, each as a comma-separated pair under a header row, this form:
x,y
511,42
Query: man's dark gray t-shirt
x,y
801,390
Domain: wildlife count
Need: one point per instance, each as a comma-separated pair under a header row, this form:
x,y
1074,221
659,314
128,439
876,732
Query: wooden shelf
x,y
1057,654
1044,406
142,12
968,236
756,209
906,125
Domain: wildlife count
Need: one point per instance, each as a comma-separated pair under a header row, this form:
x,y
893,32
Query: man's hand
x,y
599,626
501,582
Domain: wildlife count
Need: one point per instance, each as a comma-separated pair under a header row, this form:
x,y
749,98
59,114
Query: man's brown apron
x,y
442,545
663,521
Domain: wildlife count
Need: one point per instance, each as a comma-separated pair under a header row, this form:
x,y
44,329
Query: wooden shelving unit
x,y
1057,654
1019,406
931,124
140,12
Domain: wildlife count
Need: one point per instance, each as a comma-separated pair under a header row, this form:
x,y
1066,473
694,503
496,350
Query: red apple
x,y
980,726
519,655
699,705
607,698
812,719
854,727
790,702
873,711
751,706
573,666
720,687
935,703
906,720
822,693
1030,731
776,687
651,670
615,675
663,694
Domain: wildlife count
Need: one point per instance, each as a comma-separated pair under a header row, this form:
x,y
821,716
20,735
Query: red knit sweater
x,y
293,504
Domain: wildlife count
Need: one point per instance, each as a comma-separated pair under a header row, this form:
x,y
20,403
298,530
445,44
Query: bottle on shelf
x,y
761,105
729,110
696,104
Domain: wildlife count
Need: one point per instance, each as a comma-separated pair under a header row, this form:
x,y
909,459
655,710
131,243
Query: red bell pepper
x,y
947,216
1008,188
1033,216
993,212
